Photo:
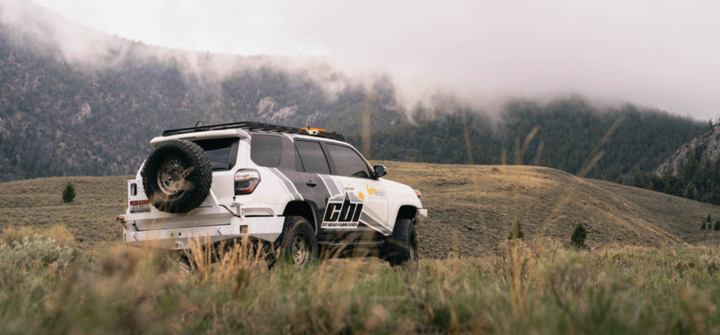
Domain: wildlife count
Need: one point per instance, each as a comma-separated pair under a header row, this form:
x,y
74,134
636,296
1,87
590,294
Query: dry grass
x,y
534,287
59,233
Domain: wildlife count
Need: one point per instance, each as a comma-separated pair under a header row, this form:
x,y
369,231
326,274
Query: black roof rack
x,y
249,125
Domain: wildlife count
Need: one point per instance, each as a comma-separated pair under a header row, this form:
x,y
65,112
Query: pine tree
x,y
578,237
516,231
709,219
68,194
717,225
703,226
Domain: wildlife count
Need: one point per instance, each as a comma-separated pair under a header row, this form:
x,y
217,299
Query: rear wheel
x,y
402,246
297,244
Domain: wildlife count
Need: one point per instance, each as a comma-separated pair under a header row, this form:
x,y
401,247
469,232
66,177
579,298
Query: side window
x,y
347,162
266,150
312,157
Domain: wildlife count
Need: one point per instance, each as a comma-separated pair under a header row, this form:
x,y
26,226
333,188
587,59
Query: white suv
x,y
305,191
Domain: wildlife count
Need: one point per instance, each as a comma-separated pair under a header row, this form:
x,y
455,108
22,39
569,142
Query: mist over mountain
x,y
66,116
74,101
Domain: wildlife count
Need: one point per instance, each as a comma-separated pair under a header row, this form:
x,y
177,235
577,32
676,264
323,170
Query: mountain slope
x,y
703,149
470,208
72,105
565,134
95,115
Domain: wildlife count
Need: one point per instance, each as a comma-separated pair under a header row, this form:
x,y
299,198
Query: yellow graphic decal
x,y
361,196
370,189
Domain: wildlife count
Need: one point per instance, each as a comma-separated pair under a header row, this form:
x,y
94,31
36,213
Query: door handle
x,y
311,183
349,188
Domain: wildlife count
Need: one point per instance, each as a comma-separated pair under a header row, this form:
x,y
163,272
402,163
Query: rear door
x,y
312,169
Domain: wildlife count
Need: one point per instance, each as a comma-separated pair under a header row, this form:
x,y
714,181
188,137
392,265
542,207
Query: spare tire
x,y
177,176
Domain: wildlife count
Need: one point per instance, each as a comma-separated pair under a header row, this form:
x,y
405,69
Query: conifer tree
x,y
68,194
578,237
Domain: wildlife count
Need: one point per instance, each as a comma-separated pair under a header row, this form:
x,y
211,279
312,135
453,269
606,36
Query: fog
x,y
653,53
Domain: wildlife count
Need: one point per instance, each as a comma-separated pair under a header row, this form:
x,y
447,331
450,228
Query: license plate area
x,y
140,206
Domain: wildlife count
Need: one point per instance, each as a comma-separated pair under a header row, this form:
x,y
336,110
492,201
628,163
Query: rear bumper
x,y
263,228
421,214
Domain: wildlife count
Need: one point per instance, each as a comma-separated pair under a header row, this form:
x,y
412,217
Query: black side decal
x,y
343,211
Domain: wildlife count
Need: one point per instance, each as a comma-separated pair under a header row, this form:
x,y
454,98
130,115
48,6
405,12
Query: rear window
x,y
222,152
266,150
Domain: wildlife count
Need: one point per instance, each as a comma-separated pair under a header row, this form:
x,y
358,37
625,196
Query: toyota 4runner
x,y
302,190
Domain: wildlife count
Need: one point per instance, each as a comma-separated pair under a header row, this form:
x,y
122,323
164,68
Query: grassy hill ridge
x,y
470,207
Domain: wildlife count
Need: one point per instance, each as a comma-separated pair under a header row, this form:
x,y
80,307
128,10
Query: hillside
x,y
471,208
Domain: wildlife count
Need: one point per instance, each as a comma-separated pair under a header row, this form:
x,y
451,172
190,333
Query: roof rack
x,y
249,125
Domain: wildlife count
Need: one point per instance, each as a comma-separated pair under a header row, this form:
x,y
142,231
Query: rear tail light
x,y
246,180
418,193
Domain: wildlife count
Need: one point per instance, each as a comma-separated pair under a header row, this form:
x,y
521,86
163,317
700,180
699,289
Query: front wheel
x,y
402,246
297,244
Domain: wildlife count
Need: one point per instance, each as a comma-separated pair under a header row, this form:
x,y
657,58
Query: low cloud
x,y
654,53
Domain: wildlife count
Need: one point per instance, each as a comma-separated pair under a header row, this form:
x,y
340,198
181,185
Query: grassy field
x,y
649,269
538,287
91,216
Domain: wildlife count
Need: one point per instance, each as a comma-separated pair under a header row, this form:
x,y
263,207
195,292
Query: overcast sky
x,y
655,53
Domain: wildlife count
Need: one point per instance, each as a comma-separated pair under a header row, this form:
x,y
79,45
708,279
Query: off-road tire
x,y
195,167
401,247
296,228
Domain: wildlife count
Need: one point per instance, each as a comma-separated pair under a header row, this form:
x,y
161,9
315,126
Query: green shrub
x,y
578,236
69,193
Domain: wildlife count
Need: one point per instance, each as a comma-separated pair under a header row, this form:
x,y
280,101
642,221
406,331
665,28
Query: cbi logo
x,y
343,211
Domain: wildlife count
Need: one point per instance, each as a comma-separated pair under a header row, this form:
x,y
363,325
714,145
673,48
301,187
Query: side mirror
x,y
380,171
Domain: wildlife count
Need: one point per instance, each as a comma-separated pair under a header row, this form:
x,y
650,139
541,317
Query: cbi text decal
x,y
343,212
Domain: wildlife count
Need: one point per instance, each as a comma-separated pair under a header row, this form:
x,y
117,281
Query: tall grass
x,y
533,287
